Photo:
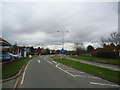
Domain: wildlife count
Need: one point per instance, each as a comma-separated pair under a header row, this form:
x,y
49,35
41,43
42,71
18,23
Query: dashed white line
x,y
38,61
24,73
103,84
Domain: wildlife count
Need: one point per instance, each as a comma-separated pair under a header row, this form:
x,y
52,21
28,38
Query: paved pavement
x,y
109,66
9,84
43,72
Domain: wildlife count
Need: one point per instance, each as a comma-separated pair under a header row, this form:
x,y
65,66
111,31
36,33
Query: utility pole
x,y
62,32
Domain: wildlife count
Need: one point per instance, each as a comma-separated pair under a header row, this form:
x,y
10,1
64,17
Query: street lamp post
x,y
62,32
119,53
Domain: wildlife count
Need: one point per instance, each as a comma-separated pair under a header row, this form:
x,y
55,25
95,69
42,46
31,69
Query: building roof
x,y
4,42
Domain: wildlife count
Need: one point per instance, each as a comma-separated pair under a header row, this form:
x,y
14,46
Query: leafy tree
x,y
90,48
32,49
47,51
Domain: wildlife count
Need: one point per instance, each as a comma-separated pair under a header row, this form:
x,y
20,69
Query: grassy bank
x,y
14,68
108,61
97,71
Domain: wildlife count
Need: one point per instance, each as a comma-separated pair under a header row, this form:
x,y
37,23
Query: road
x,y
43,72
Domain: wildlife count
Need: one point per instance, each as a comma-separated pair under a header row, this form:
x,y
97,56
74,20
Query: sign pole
x,y
119,53
24,52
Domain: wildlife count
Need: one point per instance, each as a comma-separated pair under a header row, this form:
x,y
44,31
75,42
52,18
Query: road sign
x,y
62,51
24,49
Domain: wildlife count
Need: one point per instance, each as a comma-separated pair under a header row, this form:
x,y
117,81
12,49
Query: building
x,y
108,51
4,45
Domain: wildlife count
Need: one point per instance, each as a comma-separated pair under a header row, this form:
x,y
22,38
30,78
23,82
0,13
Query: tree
x,y
90,48
78,45
32,49
79,48
113,38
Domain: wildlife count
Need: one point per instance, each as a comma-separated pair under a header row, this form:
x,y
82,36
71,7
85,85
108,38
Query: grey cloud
x,y
38,23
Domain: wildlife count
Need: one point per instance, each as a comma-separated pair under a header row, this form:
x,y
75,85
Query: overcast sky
x,y
36,24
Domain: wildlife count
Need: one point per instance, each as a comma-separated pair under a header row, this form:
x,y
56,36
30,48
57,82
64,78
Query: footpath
x,y
109,66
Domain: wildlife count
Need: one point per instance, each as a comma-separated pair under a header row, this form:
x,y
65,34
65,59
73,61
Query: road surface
x,y
43,72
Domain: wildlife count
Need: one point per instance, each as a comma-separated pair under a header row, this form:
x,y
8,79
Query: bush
x,y
108,55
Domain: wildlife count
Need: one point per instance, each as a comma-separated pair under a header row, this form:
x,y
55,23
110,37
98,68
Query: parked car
x,y
16,56
5,57
8,57
11,56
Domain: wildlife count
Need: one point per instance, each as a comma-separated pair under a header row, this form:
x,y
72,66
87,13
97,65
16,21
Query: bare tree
x,y
78,45
114,38
79,48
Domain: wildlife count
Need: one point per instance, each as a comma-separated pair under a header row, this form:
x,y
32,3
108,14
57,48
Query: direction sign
x,y
24,49
62,51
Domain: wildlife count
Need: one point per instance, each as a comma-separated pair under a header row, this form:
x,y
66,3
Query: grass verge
x,y
108,74
14,68
104,60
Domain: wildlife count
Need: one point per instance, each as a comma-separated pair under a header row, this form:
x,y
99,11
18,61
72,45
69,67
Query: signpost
x,y
62,51
25,52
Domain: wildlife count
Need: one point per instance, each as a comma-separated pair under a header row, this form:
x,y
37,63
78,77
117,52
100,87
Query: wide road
x,y
43,72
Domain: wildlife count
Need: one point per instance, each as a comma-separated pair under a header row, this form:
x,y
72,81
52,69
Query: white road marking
x,y
104,84
49,62
54,62
24,73
64,70
23,77
38,61
75,71
15,85
44,58
74,75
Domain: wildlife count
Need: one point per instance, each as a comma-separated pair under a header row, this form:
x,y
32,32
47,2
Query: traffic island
x,y
104,73
12,70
